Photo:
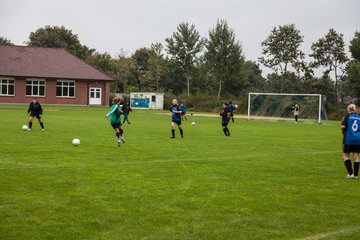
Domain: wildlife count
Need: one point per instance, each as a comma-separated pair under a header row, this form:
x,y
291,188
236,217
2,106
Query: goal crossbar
x,y
287,94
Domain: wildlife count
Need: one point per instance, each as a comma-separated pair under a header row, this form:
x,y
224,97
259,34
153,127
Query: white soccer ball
x,y
24,127
76,142
236,106
193,123
136,103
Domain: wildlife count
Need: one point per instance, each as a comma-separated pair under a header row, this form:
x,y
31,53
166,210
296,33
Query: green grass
x,y
269,180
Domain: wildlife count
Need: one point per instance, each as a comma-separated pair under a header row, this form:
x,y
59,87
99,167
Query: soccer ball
x,y
136,103
76,142
236,106
24,127
193,123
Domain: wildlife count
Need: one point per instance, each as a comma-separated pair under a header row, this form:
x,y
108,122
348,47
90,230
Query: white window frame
x,y
37,85
62,86
7,85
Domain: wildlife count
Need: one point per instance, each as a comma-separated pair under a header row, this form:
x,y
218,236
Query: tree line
x,y
188,64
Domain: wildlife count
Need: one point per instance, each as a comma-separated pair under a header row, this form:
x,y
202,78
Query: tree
x,y
184,46
355,46
224,57
5,41
103,62
302,67
124,72
156,65
329,52
253,75
59,37
353,68
281,49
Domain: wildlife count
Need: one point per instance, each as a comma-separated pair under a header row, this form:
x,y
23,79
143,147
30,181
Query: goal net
x,y
279,106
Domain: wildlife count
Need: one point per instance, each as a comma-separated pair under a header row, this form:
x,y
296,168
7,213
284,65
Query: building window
x,y
7,87
65,88
35,88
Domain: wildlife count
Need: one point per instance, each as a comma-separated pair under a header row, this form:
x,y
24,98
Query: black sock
x,y
232,119
173,132
121,132
348,166
42,125
117,135
30,125
228,131
356,168
181,132
225,132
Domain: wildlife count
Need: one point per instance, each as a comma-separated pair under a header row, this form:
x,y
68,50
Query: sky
x,y
112,25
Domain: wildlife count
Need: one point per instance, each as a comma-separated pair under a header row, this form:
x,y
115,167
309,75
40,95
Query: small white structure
x,y
147,100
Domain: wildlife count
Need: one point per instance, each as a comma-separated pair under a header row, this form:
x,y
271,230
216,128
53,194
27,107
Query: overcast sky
x,y
111,25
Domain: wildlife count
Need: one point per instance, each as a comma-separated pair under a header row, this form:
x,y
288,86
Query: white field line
x,y
330,234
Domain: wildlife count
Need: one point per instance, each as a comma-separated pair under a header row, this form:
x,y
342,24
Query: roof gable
x,y
45,63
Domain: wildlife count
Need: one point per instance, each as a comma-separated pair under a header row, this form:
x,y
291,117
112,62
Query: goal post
x,y
278,105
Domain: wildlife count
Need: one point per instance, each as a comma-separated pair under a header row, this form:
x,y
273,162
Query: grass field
x,y
269,180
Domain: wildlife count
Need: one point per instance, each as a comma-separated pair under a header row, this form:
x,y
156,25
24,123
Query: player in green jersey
x,y
115,120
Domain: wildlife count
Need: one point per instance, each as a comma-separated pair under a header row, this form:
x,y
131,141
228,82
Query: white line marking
x,y
330,234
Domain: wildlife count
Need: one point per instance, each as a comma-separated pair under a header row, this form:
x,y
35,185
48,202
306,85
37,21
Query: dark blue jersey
x,y
231,107
175,117
183,109
352,129
35,108
226,114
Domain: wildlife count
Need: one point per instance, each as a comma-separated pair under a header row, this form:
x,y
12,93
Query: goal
x,y
280,106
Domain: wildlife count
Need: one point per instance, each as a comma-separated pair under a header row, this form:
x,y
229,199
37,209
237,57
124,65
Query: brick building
x,y
54,76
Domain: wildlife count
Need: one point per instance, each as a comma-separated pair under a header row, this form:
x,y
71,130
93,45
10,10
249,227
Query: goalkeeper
x,y
296,110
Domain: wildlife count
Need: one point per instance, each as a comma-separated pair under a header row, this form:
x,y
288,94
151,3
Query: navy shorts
x,y
348,148
116,125
177,122
224,123
35,115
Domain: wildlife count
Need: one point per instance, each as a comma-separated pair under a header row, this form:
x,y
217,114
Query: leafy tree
x,y
253,75
329,52
156,65
355,46
102,61
184,46
5,41
281,49
124,73
354,76
353,68
225,59
303,69
150,64
141,60
59,37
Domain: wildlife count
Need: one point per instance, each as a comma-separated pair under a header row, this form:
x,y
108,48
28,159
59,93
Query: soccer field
x,y
269,180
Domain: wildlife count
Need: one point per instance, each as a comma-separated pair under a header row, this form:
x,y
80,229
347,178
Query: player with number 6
x,y
351,140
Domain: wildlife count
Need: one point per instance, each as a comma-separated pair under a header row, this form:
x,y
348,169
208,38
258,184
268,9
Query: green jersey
x,y
114,114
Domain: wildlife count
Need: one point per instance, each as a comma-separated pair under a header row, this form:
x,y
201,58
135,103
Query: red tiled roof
x,y
46,63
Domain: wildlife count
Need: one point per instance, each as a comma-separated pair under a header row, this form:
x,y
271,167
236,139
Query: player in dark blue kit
x,y
225,119
183,112
35,110
175,113
350,126
232,108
